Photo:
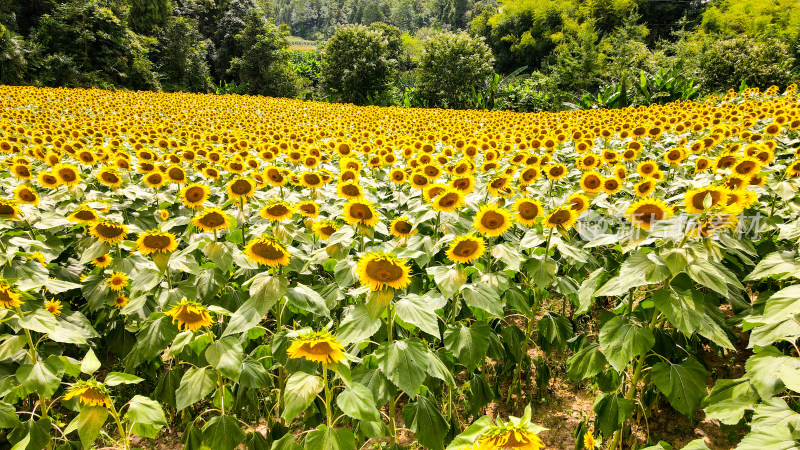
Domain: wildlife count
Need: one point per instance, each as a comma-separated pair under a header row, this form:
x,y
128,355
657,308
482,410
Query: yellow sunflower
x,y
267,251
189,315
9,298
109,232
556,172
307,208
448,200
527,210
325,228
154,180
319,346
102,261
360,212
8,209
118,281
645,187
349,190
647,168
563,217
466,249
492,221
241,188
277,210
380,271
194,195
89,393
67,174
578,203
401,227
591,182
611,185
155,241
695,199
109,177
398,176
644,212
53,307
47,180
120,301
211,219
25,195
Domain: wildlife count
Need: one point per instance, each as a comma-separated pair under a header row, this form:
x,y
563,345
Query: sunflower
x,y
118,281
695,199
194,195
311,180
8,209
646,169
38,256
307,208
589,441
702,164
267,251
211,219
747,166
527,210
154,180
448,200
47,180
466,249
89,393
155,241
492,221
102,261
611,185
402,228
241,188
360,212
9,298
85,215
277,210
380,271
325,228
109,177
578,203
25,195
591,182
564,217
189,315
21,171
275,176
644,212
645,187
120,301
793,170
398,176
556,172
676,156
317,346
53,307
109,232
67,174
517,434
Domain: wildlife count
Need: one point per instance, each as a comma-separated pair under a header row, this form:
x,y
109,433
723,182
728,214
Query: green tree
x,y
356,64
148,16
12,58
181,57
263,67
452,67
758,62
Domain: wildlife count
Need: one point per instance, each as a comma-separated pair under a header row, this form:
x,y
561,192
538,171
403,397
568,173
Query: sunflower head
x,y
155,241
704,199
578,203
517,434
526,210
401,227
277,210
380,271
591,182
108,176
317,346
448,200
325,228
492,221
241,188
25,195
211,219
109,232
89,393
53,307
307,208
563,217
47,180
644,212
8,209
102,261
556,172
360,212
466,249
267,251
117,281
194,195
9,297
189,315
120,301
349,190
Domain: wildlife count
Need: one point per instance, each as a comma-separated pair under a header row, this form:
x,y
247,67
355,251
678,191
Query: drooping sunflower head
x,y
704,199
517,434
194,195
109,232
644,212
277,210
102,261
380,271
155,241
89,393
241,188
578,203
360,212
563,217
9,297
189,315
53,307
325,228
25,195
117,281
317,346
267,251
466,249
492,221
448,200
211,219
401,227
526,210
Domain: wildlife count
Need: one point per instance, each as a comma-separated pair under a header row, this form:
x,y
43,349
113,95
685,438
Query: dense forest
x,y
524,55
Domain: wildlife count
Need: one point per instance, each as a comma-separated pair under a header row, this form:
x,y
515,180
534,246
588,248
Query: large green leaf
x,y
556,329
418,311
483,296
764,369
729,399
301,390
150,341
195,385
223,433
622,339
357,325
774,427
466,440
88,423
782,305
324,438
357,402
778,265
265,290
424,419
43,378
146,416
8,416
449,279
226,355
683,384
404,363
307,299
468,343
611,412
586,362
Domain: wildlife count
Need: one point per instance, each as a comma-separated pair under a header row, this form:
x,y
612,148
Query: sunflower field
x,y
278,274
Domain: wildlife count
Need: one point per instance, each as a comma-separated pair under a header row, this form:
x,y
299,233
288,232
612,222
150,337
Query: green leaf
x,y
226,355
90,363
418,311
357,402
449,279
265,291
307,299
641,269
424,419
468,343
683,384
612,411
684,309
703,272
586,362
588,288
195,385
697,444
484,297
146,411
778,265
32,435
117,378
622,339
404,363
542,270
44,377
223,433
466,440
782,305
556,329
39,321
220,253
301,390
253,375
764,369
357,325
324,438
150,341
88,422
729,399
774,427
8,416
59,286
285,443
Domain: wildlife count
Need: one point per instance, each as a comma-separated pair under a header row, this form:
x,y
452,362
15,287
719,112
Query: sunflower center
x,y
465,248
449,199
492,220
312,179
648,169
49,179
726,162
67,174
23,171
274,175
319,348
212,219
556,171
592,182
528,210
277,210
402,227
698,198
745,167
241,187
195,194
110,177
85,214
267,250
327,230
384,271
157,241
559,217
351,190
308,208
190,317
26,195
109,231
361,211
648,214
611,184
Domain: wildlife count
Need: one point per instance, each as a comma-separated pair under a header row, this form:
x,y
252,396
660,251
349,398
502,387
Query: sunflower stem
x,y
436,229
489,255
122,434
392,424
328,415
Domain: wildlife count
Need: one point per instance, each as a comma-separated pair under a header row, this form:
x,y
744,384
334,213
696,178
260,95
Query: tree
x,y
356,64
452,66
148,16
181,57
263,67
12,59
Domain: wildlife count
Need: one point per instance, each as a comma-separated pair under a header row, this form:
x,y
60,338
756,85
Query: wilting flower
x,y
89,393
